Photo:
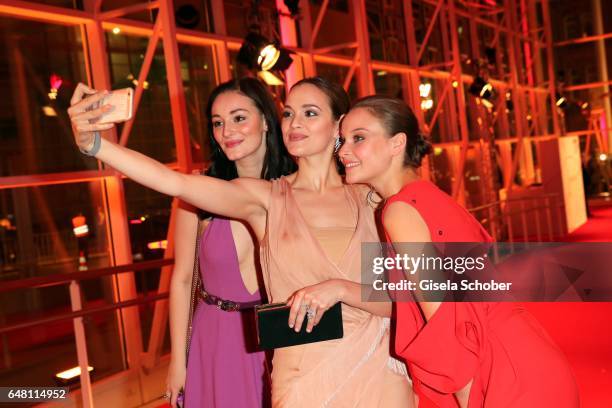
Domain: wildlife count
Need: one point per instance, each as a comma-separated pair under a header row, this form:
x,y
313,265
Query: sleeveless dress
x,y
350,372
511,359
223,370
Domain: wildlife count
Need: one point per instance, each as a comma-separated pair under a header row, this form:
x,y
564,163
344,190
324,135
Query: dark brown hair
x,y
397,117
338,98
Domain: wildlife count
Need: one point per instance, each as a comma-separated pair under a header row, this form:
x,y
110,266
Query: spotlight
x,y
269,78
603,157
561,101
427,104
481,88
425,90
116,30
292,6
187,16
257,52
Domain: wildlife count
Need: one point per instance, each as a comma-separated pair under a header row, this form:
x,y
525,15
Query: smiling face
x,y
238,126
307,122
367,150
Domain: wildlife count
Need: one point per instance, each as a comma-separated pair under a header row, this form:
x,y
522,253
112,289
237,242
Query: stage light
x,y
268,56
561,101
603,157
426,104
293,7
425,89
116,30
187,16
269,78
70,375
257,52
481,88
455,84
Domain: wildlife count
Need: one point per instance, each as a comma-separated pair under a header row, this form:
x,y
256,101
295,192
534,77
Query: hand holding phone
x,y
120,102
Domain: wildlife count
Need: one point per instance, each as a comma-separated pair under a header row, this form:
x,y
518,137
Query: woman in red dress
x,y
459,354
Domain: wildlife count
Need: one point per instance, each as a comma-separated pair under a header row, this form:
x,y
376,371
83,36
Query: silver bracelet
x,y
96,146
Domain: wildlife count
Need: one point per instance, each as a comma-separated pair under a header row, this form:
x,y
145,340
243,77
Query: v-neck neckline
x,y
314,239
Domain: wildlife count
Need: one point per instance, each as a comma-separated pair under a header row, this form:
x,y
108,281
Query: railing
x,y
74,281
534,219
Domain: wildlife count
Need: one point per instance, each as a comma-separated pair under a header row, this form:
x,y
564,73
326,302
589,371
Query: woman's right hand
x,y
175,381
84,120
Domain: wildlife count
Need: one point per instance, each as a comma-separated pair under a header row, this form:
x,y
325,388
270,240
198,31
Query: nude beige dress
x,y
357,370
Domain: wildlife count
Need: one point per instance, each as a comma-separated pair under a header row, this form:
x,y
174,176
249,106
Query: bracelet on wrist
x,y
95,148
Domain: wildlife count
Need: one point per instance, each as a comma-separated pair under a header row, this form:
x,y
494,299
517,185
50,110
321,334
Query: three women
x,y
296,219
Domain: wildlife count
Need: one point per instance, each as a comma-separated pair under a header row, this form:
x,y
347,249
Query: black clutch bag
x,y
273,328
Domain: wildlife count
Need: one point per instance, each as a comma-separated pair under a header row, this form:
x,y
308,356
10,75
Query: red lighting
x,y
55,81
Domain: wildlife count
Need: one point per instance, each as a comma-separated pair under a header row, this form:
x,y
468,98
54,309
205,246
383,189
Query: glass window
x,y
338,74
35,134
198,81
388,83
386,31
152,133
337,15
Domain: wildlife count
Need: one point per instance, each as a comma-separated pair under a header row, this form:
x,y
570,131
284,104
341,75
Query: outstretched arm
x,y
240,198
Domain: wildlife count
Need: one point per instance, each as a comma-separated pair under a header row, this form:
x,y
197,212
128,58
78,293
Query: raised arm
x,y
240,198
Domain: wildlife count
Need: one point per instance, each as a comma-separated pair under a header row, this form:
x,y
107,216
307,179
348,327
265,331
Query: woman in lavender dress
x,y
223,370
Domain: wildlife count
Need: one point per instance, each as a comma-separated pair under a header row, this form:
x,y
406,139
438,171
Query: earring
x,y
337,145
370,199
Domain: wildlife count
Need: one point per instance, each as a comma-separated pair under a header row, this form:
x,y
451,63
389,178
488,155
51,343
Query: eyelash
x,y
239,118
308,114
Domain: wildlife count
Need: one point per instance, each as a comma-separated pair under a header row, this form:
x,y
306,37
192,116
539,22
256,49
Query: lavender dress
x,y
223,370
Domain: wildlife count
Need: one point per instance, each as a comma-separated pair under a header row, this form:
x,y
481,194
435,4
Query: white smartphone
x,y
121,100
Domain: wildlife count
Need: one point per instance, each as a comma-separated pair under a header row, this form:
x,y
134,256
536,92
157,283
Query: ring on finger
x,y
311,312
167,395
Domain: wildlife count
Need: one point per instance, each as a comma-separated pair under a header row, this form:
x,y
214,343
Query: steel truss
x,y
461,121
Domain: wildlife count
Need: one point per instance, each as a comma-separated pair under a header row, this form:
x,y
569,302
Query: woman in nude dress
x,y
310,226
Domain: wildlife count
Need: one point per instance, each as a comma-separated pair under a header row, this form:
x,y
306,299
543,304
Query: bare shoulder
x,y
404,223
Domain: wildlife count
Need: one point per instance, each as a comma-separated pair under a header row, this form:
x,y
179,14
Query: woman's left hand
x,y
317,299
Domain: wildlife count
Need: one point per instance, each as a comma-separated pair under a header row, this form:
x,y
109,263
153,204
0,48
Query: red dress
x,y
511,359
